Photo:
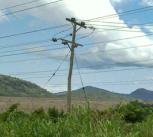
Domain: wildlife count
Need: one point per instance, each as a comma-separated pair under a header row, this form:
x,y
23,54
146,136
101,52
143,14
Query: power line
x,y
81,79
25,43
33,31
110,27
104,42
24,53
120,23
117,27
91,66
133,11
22,60
30,8
117,49
87,67
113,84
17,50
22,4
133,82
83,73
58,68
103,30
125,30
61,32
113,26
87,35
98,30
97,71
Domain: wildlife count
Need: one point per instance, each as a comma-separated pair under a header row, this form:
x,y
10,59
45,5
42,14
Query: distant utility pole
x,y
72,45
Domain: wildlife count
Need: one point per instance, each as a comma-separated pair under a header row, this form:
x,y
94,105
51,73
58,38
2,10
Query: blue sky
x,y
55,15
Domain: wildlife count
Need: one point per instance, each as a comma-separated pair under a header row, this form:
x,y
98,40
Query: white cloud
x,y
94,8
3,17
147,2
116,1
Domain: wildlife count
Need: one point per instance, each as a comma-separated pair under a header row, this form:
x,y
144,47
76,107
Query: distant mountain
x,y
94,93
143,94
10,86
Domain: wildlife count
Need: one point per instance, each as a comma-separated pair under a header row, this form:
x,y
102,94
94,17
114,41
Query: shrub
x,y
54,114
12,113
135,112
39,113
13,108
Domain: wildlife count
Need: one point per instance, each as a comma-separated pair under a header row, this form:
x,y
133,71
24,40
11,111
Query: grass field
x,y
30,104
131,120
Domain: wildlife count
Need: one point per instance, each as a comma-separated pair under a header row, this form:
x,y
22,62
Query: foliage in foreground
x,y
131,120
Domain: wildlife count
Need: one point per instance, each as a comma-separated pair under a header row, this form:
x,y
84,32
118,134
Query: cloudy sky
x,y
117,54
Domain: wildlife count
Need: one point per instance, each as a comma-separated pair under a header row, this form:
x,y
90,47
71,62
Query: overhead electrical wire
x,y
25,49
83,67
21,4
113,84
24,53
33,31
130,82
24,44
116,49
98,30
107,25
87,35
55,49
58,68
92,72
30,8
105,42
120,23
82,83
133,11
63,31
23,60
83,73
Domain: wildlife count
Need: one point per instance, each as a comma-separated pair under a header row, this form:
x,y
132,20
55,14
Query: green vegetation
x,y
14,87
10,86
132,120
97,94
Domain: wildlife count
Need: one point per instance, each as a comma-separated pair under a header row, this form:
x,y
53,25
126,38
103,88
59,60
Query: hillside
x,y
10,86
143,94
94,93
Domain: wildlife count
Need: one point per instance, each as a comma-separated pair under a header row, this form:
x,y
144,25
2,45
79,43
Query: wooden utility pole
x,y
72,45
69,86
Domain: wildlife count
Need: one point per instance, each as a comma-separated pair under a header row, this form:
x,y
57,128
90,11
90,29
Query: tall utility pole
x,y
72,45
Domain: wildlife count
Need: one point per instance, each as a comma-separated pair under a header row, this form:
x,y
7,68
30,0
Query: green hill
x,y
10,86
94,93
143,94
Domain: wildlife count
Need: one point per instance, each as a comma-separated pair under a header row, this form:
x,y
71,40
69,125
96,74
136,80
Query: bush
x,y
54,114
39,113
13,108
80,122
135,112
12,113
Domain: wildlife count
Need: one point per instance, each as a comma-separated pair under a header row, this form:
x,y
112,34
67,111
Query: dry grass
x,y
30,104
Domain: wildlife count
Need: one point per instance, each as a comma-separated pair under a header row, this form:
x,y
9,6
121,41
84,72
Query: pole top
x,y
73,19
54,39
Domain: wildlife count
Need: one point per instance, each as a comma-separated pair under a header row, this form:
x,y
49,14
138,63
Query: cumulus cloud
x,y
3,18
148,2
116,1
100,54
